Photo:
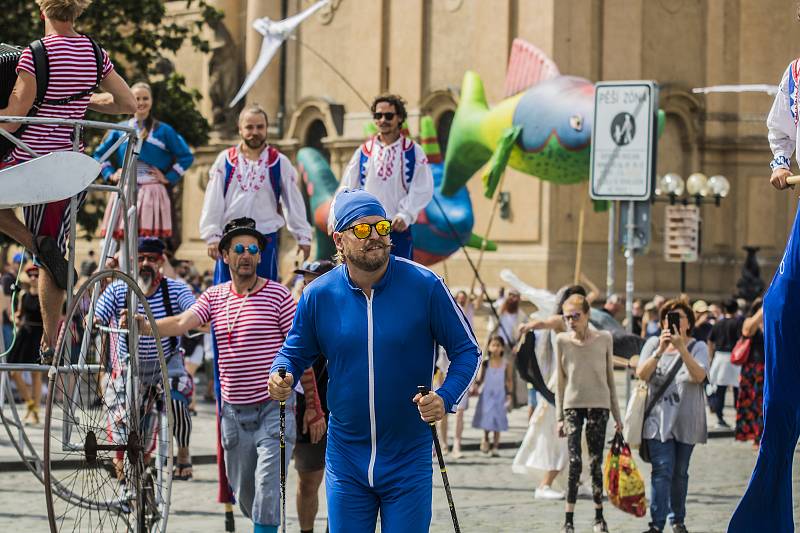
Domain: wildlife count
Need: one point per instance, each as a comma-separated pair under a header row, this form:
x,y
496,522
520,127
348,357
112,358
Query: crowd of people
x,y
359,418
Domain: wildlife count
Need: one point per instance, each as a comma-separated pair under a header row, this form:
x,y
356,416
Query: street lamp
x,y
699,190
670,188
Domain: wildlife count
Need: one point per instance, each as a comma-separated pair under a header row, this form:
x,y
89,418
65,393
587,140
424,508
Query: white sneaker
x,y
547,493
585,491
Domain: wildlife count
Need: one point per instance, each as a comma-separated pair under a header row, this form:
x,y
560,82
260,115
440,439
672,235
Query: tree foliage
x,y
137,35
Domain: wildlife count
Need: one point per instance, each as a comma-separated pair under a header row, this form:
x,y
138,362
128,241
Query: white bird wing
x,y
269,46
741,88
543,299
288,25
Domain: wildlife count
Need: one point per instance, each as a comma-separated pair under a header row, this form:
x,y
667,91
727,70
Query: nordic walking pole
x,y
423,390
229,521
282,374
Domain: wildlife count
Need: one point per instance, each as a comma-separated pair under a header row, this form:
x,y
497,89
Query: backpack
x,y
528,366
273,162
10,56
409,161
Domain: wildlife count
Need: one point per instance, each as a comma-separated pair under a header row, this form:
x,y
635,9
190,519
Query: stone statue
x,y
224,74
750,286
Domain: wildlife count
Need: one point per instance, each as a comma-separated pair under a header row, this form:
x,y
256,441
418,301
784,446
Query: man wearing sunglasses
x,y
393,168
250,317
377,320
256,181
166,297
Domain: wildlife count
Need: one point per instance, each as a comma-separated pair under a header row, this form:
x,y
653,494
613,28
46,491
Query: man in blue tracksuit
x,y
378,319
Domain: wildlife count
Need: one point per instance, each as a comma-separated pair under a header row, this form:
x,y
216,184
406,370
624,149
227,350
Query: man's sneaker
x,y
652,529
568,528
47,356
547,493
600,526
679,528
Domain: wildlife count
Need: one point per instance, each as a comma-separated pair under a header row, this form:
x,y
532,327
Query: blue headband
x,y
353,204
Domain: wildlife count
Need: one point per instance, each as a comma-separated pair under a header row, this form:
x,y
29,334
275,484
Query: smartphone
x,y
674,322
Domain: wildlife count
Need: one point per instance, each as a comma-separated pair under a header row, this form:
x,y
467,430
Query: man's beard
x,y
145,279
371,263
255,142
510,307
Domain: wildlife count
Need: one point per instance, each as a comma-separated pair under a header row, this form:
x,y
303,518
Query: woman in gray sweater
x,y
584,396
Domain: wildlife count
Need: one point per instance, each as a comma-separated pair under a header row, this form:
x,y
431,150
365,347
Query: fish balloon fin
x,y
476,241
499,160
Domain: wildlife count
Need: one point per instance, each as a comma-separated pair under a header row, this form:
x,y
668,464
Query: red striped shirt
x,y
73,68
246,354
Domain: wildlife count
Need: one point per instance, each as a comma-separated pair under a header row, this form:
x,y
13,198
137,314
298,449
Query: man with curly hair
x,y
393,168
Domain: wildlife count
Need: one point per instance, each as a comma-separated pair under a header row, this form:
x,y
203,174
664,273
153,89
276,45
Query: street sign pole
x,y
629,261
612,235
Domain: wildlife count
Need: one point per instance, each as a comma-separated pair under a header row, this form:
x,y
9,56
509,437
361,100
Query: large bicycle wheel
x,y
108,436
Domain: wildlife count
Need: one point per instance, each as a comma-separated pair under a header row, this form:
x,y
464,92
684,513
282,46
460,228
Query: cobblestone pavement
x,y
487,496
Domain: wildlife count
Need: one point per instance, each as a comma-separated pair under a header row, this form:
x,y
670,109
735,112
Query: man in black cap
x,y
166,297
250,317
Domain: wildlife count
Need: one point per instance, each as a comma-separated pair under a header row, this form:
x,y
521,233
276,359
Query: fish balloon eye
x,y
576,122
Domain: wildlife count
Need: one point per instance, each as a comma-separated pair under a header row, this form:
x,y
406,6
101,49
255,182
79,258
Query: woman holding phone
x,y
677,363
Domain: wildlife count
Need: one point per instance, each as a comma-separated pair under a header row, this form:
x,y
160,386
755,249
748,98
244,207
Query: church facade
x,y
351,50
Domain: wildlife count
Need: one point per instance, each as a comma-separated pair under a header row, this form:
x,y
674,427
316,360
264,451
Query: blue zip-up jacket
x,y
164,148
379,350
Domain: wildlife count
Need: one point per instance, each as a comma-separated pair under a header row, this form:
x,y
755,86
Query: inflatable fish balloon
x,y
446,223
544,131
320,184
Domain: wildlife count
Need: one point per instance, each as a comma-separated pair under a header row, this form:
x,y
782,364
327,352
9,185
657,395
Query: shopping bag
x,y
634,416
623,481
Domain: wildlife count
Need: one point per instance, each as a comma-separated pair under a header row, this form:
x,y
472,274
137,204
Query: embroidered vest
x,y
409,161
794,81
273,163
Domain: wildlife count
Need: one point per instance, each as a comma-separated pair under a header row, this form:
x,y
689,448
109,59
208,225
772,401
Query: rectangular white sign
x,y
682,233
624,140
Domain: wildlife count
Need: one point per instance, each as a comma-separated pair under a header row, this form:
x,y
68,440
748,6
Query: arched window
x,y
314,135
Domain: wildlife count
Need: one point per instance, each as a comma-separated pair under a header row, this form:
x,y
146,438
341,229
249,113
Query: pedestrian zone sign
x,y
624,138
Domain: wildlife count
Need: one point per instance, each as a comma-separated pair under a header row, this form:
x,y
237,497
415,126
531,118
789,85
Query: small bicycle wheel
x,y
108,434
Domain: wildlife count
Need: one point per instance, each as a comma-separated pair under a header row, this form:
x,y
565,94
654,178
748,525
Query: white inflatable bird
x,y
543,299
275,33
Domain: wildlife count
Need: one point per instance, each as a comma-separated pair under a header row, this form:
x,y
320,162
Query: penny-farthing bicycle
x,y
105,453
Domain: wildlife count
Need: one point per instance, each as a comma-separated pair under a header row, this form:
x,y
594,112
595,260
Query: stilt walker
x,y
767,502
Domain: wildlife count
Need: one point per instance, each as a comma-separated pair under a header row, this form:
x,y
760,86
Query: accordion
x,y
9,57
